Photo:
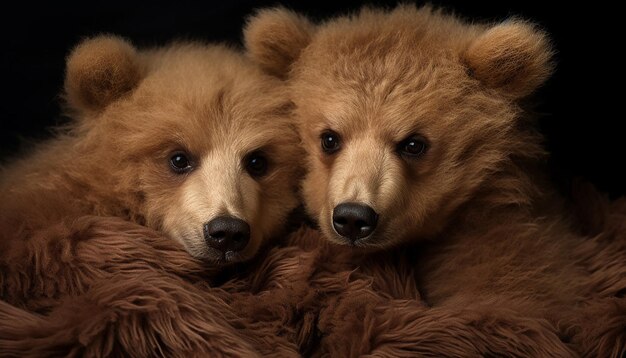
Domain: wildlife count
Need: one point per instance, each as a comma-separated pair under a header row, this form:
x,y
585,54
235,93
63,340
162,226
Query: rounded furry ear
x,y
99,71
275,37
513,57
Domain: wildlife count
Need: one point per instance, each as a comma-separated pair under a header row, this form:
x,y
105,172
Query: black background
x,y
580,105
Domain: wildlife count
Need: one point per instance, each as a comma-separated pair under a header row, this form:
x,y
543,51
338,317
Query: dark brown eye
x,y
414,146
180,163
256,164
330,142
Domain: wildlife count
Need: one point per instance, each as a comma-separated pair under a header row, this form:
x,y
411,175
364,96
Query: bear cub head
x,y
406,115
191,139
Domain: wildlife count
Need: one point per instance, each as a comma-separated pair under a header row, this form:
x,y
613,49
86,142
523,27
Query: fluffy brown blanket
x,y
147,297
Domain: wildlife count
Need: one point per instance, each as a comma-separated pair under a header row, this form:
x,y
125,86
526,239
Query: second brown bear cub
x,y
407,116
415,135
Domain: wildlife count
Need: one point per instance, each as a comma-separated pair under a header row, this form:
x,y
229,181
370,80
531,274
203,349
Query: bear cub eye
x,y
330,142
180,163
414,146
256,164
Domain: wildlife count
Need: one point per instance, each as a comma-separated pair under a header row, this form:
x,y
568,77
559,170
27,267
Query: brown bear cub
x,y
416,138
191,140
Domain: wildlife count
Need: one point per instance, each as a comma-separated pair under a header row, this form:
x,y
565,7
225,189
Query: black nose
x,y
226,233
354,221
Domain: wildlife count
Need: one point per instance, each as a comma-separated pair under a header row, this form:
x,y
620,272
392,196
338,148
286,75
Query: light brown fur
x,y
484,230
132,109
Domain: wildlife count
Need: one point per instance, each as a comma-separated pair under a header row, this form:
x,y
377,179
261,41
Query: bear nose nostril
x,y
354,221
240,238
218,234
226,233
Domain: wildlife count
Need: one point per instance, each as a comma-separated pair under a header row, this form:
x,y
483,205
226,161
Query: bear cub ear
x,y
512,57
99,71
274,38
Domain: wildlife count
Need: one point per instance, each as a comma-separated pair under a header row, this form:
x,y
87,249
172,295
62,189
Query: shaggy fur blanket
x,y
147,297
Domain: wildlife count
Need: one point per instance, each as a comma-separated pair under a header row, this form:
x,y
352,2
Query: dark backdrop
x,y
580,112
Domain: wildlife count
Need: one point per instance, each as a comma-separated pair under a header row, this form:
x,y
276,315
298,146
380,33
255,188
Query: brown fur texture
x,y
133,110
488,237
308,298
